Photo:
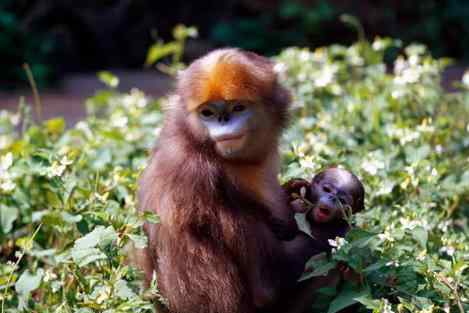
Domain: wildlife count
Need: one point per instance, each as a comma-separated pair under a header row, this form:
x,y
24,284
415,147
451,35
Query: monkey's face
x,y
332,192
238,129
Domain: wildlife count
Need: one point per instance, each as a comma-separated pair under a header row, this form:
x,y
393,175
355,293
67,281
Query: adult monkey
x,y
227,241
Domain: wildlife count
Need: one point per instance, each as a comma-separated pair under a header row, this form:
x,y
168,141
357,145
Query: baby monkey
x,y
327,203
323,209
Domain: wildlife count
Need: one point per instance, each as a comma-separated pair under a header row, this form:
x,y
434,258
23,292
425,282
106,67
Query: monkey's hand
x,y
348,274
294,186
297,190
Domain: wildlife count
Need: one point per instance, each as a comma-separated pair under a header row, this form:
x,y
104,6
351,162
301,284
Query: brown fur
x,y
214,250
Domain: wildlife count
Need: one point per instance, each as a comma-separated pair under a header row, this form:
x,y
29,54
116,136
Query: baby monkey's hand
x,y
348,274
297,190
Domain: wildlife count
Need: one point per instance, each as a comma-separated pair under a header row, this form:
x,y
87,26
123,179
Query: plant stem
x,y
37,99
10,277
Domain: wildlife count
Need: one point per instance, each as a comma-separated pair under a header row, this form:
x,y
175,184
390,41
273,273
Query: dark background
x,y
57,37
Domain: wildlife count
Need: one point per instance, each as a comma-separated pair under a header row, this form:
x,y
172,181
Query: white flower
x,y
448,250
408,76
103,294
387,308
338,242
49,276
280,67
399,65
398,93
6,180
378,44
407,72
414,60
308,162
326,76
120,121
393,263
409,224
421,256
58,167
354,57
305,55
6,161
465,79
386,236
8,186
372,166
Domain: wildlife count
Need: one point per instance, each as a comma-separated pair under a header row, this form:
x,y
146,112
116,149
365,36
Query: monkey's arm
x,y
301,299
284,230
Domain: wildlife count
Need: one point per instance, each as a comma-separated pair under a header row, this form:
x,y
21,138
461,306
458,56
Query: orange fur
x,y
227,75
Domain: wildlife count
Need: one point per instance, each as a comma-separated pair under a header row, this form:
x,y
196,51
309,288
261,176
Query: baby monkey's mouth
x,y
324,210
321,213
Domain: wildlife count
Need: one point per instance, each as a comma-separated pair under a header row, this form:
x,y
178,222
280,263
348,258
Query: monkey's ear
x,y
359,204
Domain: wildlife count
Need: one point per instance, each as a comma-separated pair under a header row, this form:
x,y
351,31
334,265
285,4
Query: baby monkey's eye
x,y
206,113
326,188
239,108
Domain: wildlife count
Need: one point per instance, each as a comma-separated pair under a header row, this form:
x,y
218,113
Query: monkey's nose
x,y
224,118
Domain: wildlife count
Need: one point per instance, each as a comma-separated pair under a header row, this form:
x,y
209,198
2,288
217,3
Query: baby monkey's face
x,y
332,192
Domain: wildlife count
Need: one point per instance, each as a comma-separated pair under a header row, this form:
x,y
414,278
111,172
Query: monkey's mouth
x,y
322,213
229,137
231,145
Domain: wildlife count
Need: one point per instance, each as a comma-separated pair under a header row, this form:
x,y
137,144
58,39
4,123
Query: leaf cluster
x,y
67,195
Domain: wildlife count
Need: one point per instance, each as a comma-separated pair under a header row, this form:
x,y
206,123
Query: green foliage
x,y
175,49
407,140
76,189
67,196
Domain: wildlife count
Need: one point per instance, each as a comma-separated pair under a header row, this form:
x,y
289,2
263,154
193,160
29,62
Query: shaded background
x,y
61,36
66,41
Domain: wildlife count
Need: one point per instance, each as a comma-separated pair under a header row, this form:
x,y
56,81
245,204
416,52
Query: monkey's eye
x,y
206,113
239,108
326,188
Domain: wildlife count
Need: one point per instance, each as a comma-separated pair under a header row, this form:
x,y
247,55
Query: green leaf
x,y
123,291
359,237
109,79
55,126
346,298
29,282
151,217
317,265
421,235
160,50
8,216
85,250
369,302
140,242
100,236
85,256
181,32
303,224
69,218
